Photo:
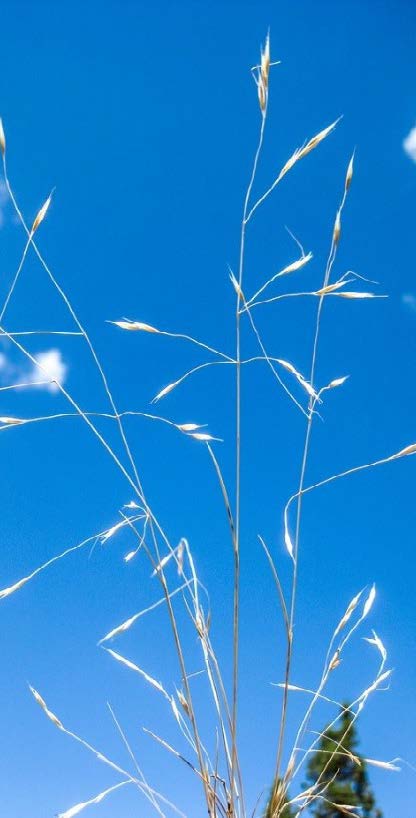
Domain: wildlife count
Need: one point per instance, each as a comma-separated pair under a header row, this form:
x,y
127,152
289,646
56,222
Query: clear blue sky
x,y
144,117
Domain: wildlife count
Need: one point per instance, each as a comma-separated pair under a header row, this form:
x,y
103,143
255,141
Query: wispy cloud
x,y
409,144
409,301
51,368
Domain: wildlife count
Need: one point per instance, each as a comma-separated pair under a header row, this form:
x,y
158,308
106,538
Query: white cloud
x,y
51,367
409,301
409,144
51,363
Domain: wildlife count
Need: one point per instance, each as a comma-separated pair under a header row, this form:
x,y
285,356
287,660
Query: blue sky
x,y
145,118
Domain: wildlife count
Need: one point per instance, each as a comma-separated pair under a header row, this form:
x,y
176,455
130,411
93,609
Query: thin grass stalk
x,y
236,604
328,269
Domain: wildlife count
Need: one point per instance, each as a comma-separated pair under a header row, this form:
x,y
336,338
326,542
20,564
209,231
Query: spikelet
x,y
350,172
306,385
288,541
153,682
296,265
11,421
330,288
265,60
385,765
262,79
2,138
135,326
204,437
183,702
188,427
358,295
337,382
407,450
337,228
376,641
164,561
369,602
165,391
316,140
335,661
261,95
300,153
70,813
41,214
236,286
54,719
348,613
111,531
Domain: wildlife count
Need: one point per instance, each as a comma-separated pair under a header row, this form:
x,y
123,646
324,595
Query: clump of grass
x,y
220,776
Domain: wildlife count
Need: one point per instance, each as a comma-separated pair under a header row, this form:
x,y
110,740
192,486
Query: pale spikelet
x,y
288,541
54,719
2,138
131,504
236,286
296,265
306,385
111,531
316,140
11,421
153,682
183,702
350,172
175,710
200,625
385,765
337,382
189,427
407,450
16,587
120,628
204,437
134,326
335,661
42,213
132,619
376,641
369,602
349,294
265,61
310,146
348,613
165,391
376,684
164,561
69,813
337,228
130,555
330,288
262,94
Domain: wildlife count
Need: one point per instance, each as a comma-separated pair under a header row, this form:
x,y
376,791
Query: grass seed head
x,y
350,172
337,228
135,326
41,214
2,138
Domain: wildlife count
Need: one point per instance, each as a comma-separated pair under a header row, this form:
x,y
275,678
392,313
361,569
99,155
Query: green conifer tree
x,y
347,780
